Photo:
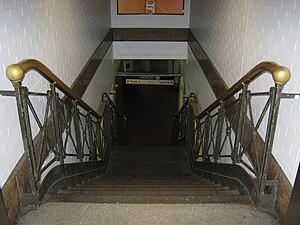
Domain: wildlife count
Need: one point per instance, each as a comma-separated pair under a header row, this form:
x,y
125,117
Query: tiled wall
x,y
150,21
237,35
62,34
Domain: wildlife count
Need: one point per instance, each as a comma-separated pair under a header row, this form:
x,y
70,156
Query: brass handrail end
x,y
281,75
15,73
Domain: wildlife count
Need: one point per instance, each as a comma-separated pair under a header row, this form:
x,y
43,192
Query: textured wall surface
x,y
237,35
150,21
62,34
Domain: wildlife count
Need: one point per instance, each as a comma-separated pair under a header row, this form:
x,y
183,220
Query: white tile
x,y
289,4
295,32
4,16
16,12
284,26
12,26
8,4
2,29
280,13
293,17
290,42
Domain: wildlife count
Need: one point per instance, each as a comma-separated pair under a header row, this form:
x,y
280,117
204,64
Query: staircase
x,y
149,175
83,141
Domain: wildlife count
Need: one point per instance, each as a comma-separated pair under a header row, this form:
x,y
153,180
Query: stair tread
x,y
150,199
104,188
150,192
149,175
149,180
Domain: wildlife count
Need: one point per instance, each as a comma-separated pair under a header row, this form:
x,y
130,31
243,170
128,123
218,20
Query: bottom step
x,y
149,199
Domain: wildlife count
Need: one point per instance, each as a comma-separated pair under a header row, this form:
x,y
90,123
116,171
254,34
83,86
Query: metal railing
x,y
68,130
230,130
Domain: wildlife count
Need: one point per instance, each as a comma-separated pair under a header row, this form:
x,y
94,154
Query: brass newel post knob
x,y
281,75
15,74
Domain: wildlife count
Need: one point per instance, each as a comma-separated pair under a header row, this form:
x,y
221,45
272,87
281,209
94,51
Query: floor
x,y
115,214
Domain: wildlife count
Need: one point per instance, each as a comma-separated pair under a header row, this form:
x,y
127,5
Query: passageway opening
x,y
147,93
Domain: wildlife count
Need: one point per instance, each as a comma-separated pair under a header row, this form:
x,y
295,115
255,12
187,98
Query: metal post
x,y
106,130
76,118
189,130
21,97
207,132
275,95
240,125
57,123
91,139
221,117
98,140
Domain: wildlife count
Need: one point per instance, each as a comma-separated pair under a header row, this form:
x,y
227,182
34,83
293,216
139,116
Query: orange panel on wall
x,y
131,6
169,6
161,7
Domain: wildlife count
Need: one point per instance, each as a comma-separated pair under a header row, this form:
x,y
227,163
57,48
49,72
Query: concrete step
x,y
150,168
168,178
148,187
149,154
149,157
149,175
150,192
170,199
148,180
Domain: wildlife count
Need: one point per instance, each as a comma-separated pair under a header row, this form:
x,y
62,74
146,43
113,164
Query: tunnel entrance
x,y
147,93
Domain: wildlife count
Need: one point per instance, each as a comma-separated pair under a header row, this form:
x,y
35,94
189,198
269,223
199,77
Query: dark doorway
x,y
148,108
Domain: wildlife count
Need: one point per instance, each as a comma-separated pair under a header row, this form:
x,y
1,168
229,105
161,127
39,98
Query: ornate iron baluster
x,y
76,119
57,123
16,75
221,117
275,96
91,139
240,125
207,134
189,131
21,96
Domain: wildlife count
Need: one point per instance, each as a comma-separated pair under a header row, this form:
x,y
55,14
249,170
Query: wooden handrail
x,y
16,74
281,75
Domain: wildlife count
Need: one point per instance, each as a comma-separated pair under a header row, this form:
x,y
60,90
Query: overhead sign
x,y
150,82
